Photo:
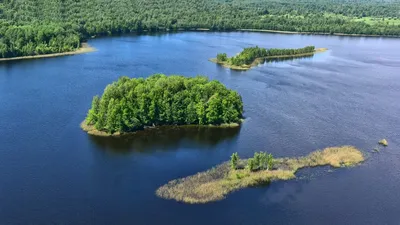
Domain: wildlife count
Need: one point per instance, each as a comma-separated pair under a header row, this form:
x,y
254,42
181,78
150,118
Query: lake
x,y
51,172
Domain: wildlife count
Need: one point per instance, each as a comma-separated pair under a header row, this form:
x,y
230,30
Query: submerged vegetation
x,y
253,55
216,183
37,27
132,104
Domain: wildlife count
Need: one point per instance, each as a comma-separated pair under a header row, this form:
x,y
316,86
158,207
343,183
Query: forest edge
x,y
85,48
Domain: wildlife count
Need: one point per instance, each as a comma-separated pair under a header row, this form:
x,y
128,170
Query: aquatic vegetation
x,y
376,150
128,104
216,183
383,142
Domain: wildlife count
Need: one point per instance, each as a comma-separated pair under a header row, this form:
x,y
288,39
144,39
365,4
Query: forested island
x,y
253,56
128,105
40,27
216,183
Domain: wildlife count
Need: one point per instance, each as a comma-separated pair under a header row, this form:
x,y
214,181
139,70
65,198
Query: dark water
x,y
51,172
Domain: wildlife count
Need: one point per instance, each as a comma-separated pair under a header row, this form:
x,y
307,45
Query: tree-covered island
x,y
253,56
128,105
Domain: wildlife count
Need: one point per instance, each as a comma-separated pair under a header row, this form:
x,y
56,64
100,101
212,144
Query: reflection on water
x,y
286,59
286,191
261,61
166,139
281,192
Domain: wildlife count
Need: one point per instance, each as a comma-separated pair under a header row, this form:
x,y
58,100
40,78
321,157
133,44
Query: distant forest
x,y
32,27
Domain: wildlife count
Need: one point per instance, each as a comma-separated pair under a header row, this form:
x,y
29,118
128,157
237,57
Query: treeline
x,y
35,40
248,55
131,104
260,161
30,27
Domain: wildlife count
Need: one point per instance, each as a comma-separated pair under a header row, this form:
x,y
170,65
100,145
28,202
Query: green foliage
x,y
251,164
94,111
270,161
234,160
131,104
222,57
260,161
248,55
31,27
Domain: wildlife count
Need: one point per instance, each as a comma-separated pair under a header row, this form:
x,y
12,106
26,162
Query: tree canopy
x,y
31,27
248,55
131,104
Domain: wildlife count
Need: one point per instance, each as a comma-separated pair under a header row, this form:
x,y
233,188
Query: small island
x,y
216,183
129,105
253,56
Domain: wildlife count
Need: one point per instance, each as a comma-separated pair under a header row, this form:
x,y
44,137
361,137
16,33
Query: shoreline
x,y
91,130
260,60
216,183
315,33
85,48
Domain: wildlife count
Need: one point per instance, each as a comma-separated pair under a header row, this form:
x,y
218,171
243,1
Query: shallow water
x,y
51,172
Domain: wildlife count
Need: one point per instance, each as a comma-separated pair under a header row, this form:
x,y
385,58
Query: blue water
x,y
51,172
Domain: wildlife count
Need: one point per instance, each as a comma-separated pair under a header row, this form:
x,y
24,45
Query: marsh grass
x,y
383,142
90,129
216,183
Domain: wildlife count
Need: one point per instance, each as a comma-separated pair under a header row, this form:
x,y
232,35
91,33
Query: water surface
x,y
51,172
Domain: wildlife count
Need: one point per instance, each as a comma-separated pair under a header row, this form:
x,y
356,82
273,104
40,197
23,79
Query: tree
x,y
94,111
214,110
260,161
270,161
251,165
222,57
234,160
111,116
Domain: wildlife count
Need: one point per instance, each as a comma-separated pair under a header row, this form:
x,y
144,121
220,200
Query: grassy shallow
x,y
90,129
257,61
216,183
85,48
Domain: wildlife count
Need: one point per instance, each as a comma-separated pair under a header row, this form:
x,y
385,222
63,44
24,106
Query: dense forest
x,y
30,27
248,55
131,104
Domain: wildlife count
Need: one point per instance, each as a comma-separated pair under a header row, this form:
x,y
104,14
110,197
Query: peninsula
x,y
129,105
253,56
216,183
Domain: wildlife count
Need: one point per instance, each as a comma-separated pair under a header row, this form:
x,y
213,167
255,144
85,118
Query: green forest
x,y
131,104
248,55
32,27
